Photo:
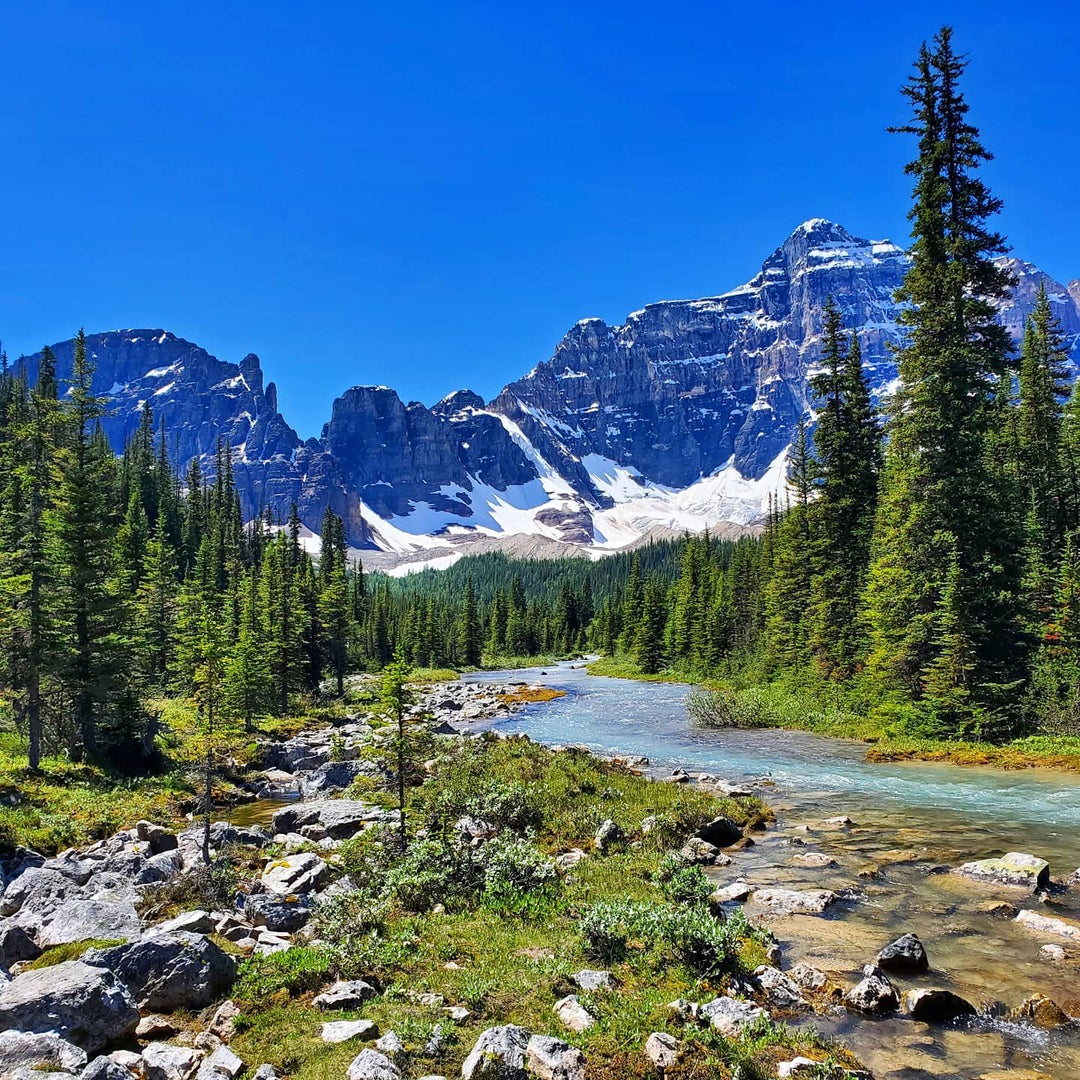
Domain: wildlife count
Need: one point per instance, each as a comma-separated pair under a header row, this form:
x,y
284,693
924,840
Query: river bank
x,y
541,923
908,826
777,707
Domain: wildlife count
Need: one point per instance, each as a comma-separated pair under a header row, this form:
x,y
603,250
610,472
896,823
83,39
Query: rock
x,y
265,1072
190,922
607,836
371,1065
458,1013
814,860
936,1006
702,853
165,972
841,822
1047,924
874,995
104,1068
341,818
38,1052
391,1045
593,980
300,873
222,1064
573,1014
998,909
339,1031
1053,953
730,1016
86,1005
333,776
159,838
552,1059
498,1054
287,913
569,859
223,1023
720,832
809,978
162,1061
1014,869
87,920
734,893
662,1050
779,989
37,883
348,994
906,953
155,1028
795,902
686,1012
16,944
1042,1011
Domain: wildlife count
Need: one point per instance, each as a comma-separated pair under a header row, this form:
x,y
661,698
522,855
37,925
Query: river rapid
x,y
912,822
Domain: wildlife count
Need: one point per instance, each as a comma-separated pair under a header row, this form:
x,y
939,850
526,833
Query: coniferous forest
x,y
922,567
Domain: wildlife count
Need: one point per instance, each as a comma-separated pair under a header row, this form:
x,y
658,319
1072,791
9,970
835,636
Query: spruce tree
x,y
940,505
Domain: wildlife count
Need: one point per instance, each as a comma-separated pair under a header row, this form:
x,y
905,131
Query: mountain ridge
x,y
679,418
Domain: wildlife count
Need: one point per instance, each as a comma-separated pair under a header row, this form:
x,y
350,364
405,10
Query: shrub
x,y
516,864
688,885
283,975
433,872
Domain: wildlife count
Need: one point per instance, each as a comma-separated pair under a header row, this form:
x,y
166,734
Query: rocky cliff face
x,y
677,419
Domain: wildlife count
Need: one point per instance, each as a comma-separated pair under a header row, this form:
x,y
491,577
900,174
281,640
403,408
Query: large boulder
x,y
936,1006
84,1004
1014,869
158,837
89,920
39,886
334,776
906,953
38,1052
165,972
780,990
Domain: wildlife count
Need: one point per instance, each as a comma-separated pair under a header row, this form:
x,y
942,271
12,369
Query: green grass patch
x,y
57,954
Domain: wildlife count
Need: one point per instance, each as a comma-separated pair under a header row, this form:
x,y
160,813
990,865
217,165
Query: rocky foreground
x,y
119,1004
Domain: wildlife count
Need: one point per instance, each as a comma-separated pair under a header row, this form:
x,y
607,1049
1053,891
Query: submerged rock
x,y
795,902
1042,1011
1047,924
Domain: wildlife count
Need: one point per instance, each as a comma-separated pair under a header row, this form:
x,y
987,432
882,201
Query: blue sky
x,y
428,195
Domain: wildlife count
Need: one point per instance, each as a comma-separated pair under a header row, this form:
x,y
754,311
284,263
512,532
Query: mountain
x,y
678,419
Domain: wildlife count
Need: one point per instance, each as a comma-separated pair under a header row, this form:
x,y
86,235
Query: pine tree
x,y
650,637
470,642
83,545
939,496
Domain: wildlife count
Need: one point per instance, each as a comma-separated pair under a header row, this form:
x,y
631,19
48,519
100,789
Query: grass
x,y
57,954
510,964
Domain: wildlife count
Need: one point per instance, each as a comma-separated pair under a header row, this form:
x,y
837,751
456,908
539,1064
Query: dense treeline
x,y
926,566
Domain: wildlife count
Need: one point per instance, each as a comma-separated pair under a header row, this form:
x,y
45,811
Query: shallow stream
x,y
912,821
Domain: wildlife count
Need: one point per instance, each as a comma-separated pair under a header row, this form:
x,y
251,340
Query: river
x,y
912,822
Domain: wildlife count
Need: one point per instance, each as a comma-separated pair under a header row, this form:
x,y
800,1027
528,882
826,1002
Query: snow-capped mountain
x,y
678,419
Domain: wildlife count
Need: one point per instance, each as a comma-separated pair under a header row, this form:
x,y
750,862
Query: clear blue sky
x,y
430,194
